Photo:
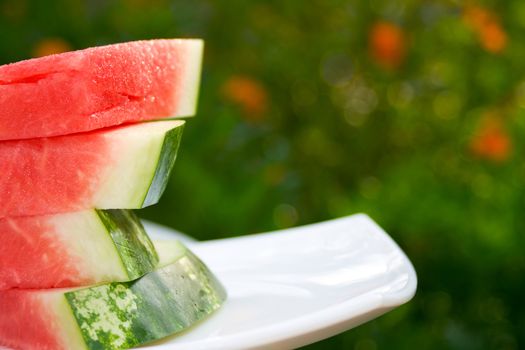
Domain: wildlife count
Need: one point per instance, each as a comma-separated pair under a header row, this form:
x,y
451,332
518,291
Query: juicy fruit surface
x,y
31,255
36,322
98,87
73,249
43,176
106,169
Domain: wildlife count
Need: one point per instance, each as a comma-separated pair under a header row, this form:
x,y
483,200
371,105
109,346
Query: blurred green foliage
x,y
410,111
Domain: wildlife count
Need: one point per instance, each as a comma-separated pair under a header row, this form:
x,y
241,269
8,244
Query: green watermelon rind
x,y
143,156
165,162
162,303
132,244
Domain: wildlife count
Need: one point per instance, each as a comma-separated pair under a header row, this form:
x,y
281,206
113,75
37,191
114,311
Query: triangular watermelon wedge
x,y
74,249
99,87
123,167
122,315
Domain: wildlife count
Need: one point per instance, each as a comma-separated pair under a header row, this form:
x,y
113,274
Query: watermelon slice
x,y
74,249
99,87
123,167
115,315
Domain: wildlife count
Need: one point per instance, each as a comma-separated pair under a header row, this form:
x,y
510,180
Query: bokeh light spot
x,y
274,174
447,105
369,187
520,94
365,344
354,119
355,98
285,215
51,46
491,140
482,186
400,95
486,24
387,44
247,93
438,304
336,69
304,93
14,9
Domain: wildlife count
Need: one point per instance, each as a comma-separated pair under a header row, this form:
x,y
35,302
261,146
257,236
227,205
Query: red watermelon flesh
x,y
30,245
39,325
99,87
73,249
120,167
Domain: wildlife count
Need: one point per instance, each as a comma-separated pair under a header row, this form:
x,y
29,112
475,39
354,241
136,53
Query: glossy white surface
x,y
293,287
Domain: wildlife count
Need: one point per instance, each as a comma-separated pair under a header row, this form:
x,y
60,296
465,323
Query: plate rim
x,y
317,325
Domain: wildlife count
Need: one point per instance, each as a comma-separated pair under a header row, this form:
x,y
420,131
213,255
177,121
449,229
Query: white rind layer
x,y
89,244
168,250
62,320
190,81
135,152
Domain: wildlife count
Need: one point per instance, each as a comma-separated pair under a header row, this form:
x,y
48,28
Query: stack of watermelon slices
x,y
79,148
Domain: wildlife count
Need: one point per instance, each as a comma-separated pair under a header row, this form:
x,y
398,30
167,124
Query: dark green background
x,y
338,134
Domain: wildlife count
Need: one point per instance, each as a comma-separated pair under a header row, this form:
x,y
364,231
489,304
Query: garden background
x,y
410,111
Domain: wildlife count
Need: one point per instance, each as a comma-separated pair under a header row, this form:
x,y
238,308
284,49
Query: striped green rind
x,y
162,303
165,163
135,249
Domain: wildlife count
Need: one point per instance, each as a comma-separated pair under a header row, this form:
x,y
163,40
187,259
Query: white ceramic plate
x,y
294,287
